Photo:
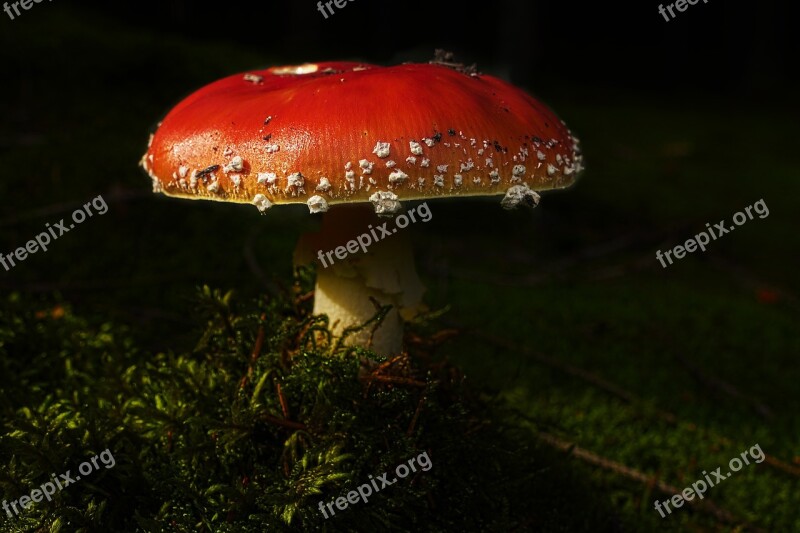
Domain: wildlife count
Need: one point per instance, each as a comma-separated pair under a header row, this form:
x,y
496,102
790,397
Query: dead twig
x,y
380,368
581,373
781,465
398,380
704,505
620,393
282,400
304,297
283,423
255,354
718,384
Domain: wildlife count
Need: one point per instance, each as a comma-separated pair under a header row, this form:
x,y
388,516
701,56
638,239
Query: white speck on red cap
x,y
317,204
381,149
385,202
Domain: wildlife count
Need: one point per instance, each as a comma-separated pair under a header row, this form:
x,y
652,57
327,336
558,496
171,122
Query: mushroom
x,y
335,134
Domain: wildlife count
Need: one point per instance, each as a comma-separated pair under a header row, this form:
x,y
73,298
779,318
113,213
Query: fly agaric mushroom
x,y
336,133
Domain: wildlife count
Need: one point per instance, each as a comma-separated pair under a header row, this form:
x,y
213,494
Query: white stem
x,y
385,272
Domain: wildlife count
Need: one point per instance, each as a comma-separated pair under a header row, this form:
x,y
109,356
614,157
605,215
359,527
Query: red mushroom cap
x,y
338,132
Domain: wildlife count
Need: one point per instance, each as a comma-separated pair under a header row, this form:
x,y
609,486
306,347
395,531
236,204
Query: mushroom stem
x,y
345,288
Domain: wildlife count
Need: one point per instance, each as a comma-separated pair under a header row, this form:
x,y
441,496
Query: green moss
x,y
256,425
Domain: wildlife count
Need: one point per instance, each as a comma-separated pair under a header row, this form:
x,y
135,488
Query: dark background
x,y
724,47
567,312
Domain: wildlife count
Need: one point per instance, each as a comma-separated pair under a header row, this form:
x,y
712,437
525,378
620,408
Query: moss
x,y
261,421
